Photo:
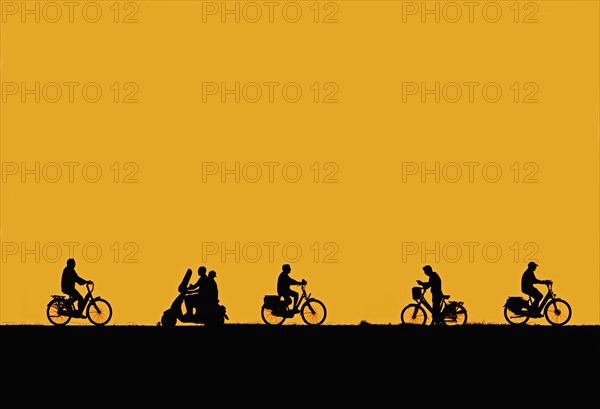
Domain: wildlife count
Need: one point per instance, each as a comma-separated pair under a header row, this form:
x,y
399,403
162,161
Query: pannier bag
x,y
516,304
272,301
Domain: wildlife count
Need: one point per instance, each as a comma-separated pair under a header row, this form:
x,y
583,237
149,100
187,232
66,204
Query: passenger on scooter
x,y
210,293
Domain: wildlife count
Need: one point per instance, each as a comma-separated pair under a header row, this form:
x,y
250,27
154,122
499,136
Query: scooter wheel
x,y
168,319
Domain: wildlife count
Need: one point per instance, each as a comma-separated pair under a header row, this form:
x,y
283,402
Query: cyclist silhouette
x,y
435,283
67,285
528,280
284,282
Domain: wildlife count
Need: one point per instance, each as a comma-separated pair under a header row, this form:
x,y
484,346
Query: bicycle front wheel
x,y
99,312
458,317
313,312
52,312
558,312
413,314
269,318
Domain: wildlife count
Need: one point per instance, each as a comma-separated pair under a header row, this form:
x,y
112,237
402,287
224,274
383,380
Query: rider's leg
x,y
436,303
294,295
76,298
537,297
287,300
189,306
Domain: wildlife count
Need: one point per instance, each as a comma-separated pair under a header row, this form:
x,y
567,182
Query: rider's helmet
x,y
71,262
532,264
286,268
427,268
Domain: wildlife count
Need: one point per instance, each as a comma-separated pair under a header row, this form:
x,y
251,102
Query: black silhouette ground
x,y
377,364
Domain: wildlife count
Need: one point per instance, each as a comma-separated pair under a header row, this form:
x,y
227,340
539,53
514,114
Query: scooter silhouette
x,y
209,315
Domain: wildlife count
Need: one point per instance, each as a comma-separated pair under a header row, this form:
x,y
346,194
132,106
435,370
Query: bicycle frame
x,y
303,297
423,301
547,297
86,299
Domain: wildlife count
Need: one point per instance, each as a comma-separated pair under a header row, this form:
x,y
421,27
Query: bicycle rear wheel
x,y
269,318
99,312
413,314
52,312
514,319
458,317
313,312
557,312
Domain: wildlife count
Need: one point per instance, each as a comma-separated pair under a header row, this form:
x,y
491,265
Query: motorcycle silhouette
x,y
556,310
274,310
207,315
60,309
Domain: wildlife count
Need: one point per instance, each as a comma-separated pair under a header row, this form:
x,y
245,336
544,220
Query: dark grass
x,y
473,364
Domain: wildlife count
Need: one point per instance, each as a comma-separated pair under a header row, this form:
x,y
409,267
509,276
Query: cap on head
x,y
286,268
71,262
427,268
532,264
212,273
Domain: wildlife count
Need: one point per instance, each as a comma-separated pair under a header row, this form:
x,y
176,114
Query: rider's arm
x,y
80,280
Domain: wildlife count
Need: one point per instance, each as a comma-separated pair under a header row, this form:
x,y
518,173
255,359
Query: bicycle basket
x,y
416,293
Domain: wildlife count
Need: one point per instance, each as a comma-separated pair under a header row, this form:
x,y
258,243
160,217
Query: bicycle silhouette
x,y
453,312
274,310
556,310
60,309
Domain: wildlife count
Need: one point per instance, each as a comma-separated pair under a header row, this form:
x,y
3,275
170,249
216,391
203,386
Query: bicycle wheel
x,y
99,311
53,316
413,314
557,312
269,318
313,312
458,317
514,319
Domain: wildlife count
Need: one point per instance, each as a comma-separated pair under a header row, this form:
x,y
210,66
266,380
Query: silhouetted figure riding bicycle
x,y
67,285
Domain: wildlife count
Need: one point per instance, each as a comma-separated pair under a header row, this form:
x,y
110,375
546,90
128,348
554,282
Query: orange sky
x,y
355,140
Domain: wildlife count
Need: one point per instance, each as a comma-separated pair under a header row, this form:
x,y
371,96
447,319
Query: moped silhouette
x,y
209,315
